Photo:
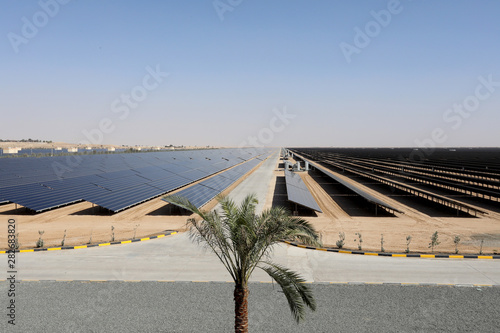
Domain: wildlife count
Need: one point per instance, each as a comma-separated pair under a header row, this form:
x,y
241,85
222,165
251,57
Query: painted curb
x,y
350,283
399,255
76,247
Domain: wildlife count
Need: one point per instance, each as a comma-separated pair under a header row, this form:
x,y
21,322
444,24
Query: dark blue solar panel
x,y
15,193
48,182
198,194
156,175
63,183
121,200
39,198
205,191
194,174
122,183
117,174
218,183
170,183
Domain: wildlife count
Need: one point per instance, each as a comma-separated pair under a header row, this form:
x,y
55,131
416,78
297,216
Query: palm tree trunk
x,y
240,309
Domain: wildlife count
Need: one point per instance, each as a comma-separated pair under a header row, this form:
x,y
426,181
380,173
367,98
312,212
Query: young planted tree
x,y
456,240
360,238
243,241
434,241
17,245
408,241
64,238
340,243
39,242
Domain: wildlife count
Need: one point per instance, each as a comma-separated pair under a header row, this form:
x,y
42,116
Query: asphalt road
x,y
208,307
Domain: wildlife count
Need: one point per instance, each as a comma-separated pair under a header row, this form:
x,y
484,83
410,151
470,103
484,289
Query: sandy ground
x,y
83,225
395,229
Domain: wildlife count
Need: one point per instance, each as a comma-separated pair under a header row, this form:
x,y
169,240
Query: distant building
x,y
11,150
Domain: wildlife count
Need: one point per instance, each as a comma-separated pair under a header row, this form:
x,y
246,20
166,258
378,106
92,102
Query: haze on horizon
x,y
229,73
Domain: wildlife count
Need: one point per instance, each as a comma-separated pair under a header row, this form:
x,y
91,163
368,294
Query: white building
x,y
11,150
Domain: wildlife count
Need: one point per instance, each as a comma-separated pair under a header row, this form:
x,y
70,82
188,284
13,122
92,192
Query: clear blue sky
x,y
228,77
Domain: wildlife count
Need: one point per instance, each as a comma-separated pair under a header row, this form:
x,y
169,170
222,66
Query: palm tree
x,y
243,240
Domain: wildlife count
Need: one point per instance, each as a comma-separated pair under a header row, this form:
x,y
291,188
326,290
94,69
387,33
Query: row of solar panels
x,y
298,192
202,193
54,168
368,197
50,151
31,170
115,182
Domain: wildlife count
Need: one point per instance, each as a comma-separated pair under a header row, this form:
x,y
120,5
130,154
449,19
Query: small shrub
x,y
408,241
360,239
456,240
90,239
64,238
39,242
434,241
17,245
481,247
340,243
112,233
382,243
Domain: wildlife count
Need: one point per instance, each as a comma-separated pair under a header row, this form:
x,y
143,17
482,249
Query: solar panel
x,y
72,182
202,193
122,183
39,198
115,181
120,200
170,184
298,192
14,193
194,174
198,194
118,174
218,183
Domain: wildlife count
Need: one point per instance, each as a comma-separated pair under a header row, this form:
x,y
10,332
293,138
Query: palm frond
x,y
298,294
183,203
211,231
